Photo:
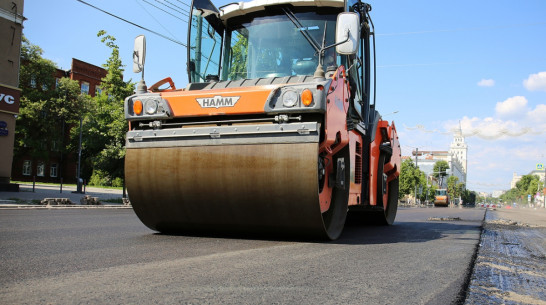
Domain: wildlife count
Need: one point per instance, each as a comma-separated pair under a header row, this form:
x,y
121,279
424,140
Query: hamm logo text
x,y
218,101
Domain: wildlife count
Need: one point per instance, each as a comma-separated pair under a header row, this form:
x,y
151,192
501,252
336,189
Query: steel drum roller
x,y
266,188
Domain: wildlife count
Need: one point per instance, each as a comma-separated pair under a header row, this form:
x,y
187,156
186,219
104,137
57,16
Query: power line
x,y
183,3
165,11
183,12
132,23
167,30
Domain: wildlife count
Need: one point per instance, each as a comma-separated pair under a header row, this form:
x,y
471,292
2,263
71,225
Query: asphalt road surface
x,y
104,256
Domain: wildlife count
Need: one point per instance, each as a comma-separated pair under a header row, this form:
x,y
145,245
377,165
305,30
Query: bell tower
x,y
459,148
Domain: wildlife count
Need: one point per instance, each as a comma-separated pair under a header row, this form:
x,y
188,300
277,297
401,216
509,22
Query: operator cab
x,y
285,42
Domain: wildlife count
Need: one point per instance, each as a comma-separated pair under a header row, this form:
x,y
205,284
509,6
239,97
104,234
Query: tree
x,y
455,188
104,126
411,181
468,197
512,195
113,83
407,178
47,109
528,185
240,52
452,187
440,169
36,74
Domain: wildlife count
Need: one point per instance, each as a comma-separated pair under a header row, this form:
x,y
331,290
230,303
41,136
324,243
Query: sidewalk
x,y
42,191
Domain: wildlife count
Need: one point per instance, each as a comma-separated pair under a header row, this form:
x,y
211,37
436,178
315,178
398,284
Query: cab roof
x,y
242,8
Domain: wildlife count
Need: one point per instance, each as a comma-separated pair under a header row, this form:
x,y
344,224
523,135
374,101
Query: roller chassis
x,y
228,157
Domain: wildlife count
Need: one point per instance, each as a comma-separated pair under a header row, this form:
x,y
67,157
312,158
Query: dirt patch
x,y
508,222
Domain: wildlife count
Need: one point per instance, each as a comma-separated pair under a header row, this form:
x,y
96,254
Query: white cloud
x,y
498,129
512,107
514,141
536,82
486,83
538,115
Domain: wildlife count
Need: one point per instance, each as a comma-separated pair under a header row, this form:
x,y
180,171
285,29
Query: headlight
x,y
289,98
151,106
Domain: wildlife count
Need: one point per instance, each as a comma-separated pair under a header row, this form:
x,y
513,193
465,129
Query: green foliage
x,y
455,189
512,195
407,178
113,200
46,112
99,178
113,82
452,187
412,179
440,171
104,125
527,185
468,197
239,54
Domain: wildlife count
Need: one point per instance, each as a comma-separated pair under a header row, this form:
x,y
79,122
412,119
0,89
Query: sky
x,y
480,65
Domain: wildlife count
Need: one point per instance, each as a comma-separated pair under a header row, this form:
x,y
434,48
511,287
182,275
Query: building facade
x,y
456,158
58,167
11,28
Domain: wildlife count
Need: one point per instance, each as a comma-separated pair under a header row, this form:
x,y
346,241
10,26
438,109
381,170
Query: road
x,y
69,256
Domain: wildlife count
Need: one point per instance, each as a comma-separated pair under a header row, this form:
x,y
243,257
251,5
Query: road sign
x,y
540,166
529,198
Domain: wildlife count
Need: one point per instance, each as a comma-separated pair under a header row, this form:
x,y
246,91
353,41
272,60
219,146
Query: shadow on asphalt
x,y
357,234
406,232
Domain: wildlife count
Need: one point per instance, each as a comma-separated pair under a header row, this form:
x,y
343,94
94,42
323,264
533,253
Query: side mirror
x,y
347,33
139,53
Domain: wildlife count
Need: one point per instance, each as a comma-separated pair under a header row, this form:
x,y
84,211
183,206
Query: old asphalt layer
x,y
28,196
510,267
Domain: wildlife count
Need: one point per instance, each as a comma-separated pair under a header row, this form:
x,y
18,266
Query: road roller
x,y
277,130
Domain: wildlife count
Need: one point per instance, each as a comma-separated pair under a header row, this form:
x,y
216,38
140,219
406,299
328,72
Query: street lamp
x,y
79,182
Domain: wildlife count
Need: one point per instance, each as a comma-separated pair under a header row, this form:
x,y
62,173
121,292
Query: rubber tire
x,y
389,213
382,217
334,218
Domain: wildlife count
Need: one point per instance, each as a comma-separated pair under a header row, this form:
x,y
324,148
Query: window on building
x,y
53,170
85,87
98,90
33,81
27,168
57,80
45,87
40,169
54,146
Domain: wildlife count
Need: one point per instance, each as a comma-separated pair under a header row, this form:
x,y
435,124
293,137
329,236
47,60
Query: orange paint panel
x,y
249,100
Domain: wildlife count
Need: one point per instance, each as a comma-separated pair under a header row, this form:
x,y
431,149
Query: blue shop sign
x,y
3,128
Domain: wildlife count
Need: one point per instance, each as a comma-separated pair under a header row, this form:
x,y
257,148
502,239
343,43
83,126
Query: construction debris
x,y
88,200
56,201
444,219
